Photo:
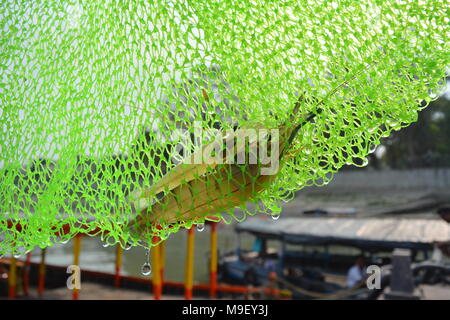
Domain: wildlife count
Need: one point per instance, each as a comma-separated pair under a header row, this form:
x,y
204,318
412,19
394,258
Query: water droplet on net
x,y
275,217
147,268
200,227
127,246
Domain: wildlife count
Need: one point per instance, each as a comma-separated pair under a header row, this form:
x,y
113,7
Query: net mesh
x,y
100,102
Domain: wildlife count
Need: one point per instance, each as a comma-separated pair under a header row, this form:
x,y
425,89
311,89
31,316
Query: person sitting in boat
x,y
357,273
441,251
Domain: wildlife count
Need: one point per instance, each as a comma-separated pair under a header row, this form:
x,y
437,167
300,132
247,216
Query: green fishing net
x,y
97,99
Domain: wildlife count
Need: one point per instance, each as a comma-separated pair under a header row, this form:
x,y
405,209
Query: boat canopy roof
x,y
365,233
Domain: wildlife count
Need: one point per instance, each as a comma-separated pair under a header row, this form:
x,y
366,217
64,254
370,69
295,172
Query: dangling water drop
x,y
127,246
200,227
275,217
147,268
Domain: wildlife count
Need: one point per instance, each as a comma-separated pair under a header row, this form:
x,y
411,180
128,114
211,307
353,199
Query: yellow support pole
x,y
12,278
156,262
189,274
162,247
41,280
119,256
76,261
213,261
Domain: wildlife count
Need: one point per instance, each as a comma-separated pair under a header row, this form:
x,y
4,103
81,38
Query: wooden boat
x,y
312,251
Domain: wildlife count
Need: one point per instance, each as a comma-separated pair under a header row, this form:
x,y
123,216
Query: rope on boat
x,y
336,295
